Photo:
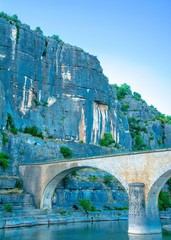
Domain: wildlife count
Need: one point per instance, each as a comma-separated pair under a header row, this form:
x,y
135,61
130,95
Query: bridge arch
x,y
152,199
46,201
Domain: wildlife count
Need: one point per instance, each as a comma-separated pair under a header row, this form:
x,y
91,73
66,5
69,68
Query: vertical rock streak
x,y
14,40
27,96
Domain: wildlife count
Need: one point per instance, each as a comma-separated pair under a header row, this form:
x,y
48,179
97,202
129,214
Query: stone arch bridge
x,y
141,174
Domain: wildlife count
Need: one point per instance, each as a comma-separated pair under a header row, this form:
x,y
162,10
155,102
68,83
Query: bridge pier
x,y
139,220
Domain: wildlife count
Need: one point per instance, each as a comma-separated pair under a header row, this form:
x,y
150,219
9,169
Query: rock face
x,y
57,87
148,127
97,186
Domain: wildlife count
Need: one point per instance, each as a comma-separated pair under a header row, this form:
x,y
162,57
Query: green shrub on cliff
x,y
137,96
164,119
107,140
66,152
10,124
57,38
107,179
11,19
4,138
139,143
122,91
86,205
34,131
8,208
38,30
4,160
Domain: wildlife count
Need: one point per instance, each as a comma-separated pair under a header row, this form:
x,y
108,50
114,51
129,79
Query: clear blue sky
x,y
131,38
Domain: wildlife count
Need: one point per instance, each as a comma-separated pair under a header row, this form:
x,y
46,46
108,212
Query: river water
x,y
77,231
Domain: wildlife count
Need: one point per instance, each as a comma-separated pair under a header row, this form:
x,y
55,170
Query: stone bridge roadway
x,y
142,175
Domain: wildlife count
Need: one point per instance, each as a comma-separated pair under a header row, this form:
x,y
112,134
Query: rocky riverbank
x,y
39,217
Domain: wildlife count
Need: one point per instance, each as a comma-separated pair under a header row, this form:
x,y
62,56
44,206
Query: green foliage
x,y
164,119
86,205
11,19
79,49
122,91
57,38
93,178
164,201
125,107
88,64
45,104
10,124
38,30
106,207
121,208
18,184
66,152
166,233
4,160
37,103
139,142
34,131
135,130
8,208
107,179
4,138
75,207
107,140
14,130
137,96
64,213
50,137
169,184
74,174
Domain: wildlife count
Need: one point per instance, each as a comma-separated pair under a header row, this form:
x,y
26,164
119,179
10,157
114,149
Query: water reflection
x,y
145,237
77,231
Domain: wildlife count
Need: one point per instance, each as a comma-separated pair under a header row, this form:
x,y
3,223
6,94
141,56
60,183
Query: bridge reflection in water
x,y
145,237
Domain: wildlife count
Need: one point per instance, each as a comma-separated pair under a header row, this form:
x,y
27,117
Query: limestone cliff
x,y
62,91
57,87
149,128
